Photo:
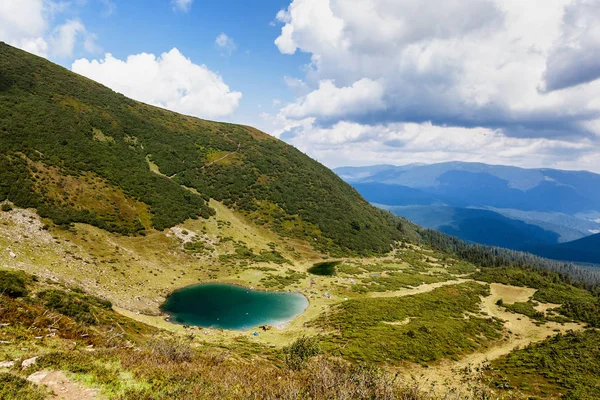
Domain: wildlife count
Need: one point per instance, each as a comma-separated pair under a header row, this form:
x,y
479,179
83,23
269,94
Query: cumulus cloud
x,y
461,63
27,24
170,81
329,101
225,43
23,24
182,5
575,59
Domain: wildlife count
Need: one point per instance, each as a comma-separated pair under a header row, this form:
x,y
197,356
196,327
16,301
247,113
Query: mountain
x,y
477,225
79,152
521,209
474,184
586,250
109,206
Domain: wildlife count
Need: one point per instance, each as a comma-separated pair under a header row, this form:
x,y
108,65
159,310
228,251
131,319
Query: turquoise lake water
x,y
217,305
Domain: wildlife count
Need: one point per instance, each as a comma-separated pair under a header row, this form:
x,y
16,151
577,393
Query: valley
x,y
109,206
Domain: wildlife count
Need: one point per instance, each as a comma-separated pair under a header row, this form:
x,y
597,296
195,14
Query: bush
x,y
171,350
67,304
297,354
13,387
13,284
6,207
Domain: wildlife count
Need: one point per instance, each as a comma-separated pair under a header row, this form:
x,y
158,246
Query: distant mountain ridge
x,y
475,184
585,250
522,209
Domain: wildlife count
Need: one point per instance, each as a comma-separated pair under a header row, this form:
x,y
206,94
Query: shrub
x,y
67,304
297,354
13,387
171,350
13,284
6,207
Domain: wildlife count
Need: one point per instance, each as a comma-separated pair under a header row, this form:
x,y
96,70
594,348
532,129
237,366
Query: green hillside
x,y
108,206
79,152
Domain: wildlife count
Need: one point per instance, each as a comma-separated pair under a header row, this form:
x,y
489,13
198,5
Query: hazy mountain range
x,y
538,210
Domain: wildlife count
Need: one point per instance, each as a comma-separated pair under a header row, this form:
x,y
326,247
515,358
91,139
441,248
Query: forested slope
x,y
79,152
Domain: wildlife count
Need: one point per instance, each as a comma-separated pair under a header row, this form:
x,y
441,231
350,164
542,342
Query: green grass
x,y
577,303
289,278
527,309
397,280
551,287
420,328
565,365
17,388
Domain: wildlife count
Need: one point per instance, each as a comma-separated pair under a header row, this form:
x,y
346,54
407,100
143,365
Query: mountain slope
x,y
79,152
585,250
476,225
521,209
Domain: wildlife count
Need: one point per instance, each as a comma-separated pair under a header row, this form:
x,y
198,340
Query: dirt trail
x,y
222,158
63,387
428,287
522,331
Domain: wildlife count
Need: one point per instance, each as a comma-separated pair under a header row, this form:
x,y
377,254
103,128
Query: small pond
x,y
217,305
325,268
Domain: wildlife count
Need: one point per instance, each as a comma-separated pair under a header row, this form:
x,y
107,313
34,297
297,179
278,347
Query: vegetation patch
x,y
75,305
438,327
564,366
577,303
327,268
14,387
397,280
290,277
14,283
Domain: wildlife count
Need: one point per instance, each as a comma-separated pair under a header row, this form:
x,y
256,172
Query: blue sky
x,y
256,67
349,82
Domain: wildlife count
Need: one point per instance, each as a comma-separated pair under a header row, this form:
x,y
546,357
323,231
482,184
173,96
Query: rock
x,y
37,377
7,364
28,363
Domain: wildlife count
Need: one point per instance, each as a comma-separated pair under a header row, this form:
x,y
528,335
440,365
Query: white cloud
x,y
461,62
329,101
182,5
64,38
170,81
350,143
225,43
27,24
575,59
22,24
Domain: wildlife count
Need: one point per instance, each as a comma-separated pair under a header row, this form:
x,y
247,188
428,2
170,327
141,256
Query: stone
x,y
7,364
29,362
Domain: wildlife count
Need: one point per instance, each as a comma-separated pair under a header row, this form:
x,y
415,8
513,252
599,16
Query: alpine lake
x,y
225,306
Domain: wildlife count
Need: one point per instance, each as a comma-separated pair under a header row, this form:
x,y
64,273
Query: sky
x,y
349,82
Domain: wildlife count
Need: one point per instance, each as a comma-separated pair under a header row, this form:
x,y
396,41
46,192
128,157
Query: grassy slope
x,y
124,359
63,136
565,366
56,125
